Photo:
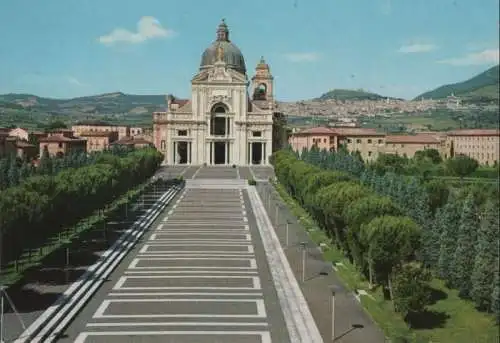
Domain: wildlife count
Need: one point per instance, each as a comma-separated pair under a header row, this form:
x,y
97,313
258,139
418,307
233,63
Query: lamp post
x,y
334,290
303,246
286,233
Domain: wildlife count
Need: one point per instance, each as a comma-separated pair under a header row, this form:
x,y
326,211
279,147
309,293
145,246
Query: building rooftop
x,y
412,139
475,132
97,133
60,139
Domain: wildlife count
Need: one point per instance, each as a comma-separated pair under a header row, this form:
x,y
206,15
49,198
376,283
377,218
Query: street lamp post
x,y
286,232
303,246
334,289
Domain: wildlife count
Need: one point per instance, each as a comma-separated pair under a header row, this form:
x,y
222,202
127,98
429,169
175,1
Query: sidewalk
x,y
352,324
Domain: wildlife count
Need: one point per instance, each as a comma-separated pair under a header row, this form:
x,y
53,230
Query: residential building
x,y
136,142
100,126
408,145
7,144
221,123
20,133
62,142
99,140
368,142
479,144
320,137
482,145
24,150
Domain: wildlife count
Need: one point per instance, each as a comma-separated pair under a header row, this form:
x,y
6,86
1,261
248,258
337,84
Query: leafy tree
x,y
446,224
391,241
428,154
461,166
495,295
46,164
56,124
486,257
411,290
360,212
466,248
438,193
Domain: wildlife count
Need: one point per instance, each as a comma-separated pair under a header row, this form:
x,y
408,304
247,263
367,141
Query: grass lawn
x,y
448,320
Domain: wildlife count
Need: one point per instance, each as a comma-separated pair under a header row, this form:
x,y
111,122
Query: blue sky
x,y
68,48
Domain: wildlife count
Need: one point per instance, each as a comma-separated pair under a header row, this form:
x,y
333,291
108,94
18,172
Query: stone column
x,y
262,151
189,153
226,152
212,146
174,150
251,153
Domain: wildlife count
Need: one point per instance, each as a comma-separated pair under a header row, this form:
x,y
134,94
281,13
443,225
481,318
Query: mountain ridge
x,y
483,86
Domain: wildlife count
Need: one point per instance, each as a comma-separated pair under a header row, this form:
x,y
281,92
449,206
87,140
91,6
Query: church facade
x,y
229,118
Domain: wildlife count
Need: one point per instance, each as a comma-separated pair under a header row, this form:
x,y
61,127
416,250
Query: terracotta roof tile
x,y
412,139
475,132
60,139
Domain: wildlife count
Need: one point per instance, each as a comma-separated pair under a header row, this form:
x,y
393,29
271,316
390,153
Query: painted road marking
x,y
135,262
170,248
259,306
127,324
255,281
265,336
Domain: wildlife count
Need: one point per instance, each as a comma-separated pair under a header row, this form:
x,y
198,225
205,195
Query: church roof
x,y
223,49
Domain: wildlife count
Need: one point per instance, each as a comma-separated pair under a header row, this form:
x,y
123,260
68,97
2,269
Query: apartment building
x,y
482,145
62,142
479,144
98,140
368,142
409,144
100,126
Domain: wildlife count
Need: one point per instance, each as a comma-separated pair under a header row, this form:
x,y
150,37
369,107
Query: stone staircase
x,y
217,183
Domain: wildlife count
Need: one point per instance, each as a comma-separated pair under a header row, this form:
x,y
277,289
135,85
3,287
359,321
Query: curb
x,y
74,298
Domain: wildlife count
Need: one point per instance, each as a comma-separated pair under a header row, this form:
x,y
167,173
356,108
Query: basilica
x,y
229,118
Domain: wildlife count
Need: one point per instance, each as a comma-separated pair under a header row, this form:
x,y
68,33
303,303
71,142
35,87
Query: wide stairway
x,y
217,183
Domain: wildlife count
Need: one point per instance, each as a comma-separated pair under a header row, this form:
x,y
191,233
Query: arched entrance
x,y
220,124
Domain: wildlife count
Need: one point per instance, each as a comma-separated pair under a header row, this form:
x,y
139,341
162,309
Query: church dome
x,y
223,49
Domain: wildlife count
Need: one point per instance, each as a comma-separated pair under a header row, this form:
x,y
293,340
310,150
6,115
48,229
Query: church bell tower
x,y
262,82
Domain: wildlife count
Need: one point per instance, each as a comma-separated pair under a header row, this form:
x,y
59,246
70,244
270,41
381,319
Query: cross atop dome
x,y
223,31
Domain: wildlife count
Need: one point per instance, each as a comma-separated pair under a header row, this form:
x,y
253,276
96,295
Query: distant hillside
x,y
484,86
110,103
349,94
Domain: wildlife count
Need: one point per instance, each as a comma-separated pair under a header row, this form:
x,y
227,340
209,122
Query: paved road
x,y
200,276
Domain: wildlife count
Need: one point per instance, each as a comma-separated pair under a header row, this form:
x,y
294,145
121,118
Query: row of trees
x,y
13,170
43,205
345,197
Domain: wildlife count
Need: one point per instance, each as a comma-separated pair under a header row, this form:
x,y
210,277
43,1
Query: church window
x,y
182,133
358,140
257,133
260,92
163,145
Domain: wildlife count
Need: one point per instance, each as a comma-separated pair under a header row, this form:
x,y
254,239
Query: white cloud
x,y
303,56
74,81
416,48
488,56
147,28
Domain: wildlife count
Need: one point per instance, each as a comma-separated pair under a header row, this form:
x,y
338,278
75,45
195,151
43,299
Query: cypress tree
x,y
13,173
495,296
486,257
448,223
466,248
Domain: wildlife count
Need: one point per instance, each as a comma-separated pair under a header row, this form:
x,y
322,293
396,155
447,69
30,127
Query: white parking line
x,y
123,279
135,261
127,324
259,304
265,336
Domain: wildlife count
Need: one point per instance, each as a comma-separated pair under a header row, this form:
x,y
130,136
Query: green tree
x,y
391,241
46,163
495,295
486,257
446,224
13,173
463,263
461,166
56,124
428,154
411,289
